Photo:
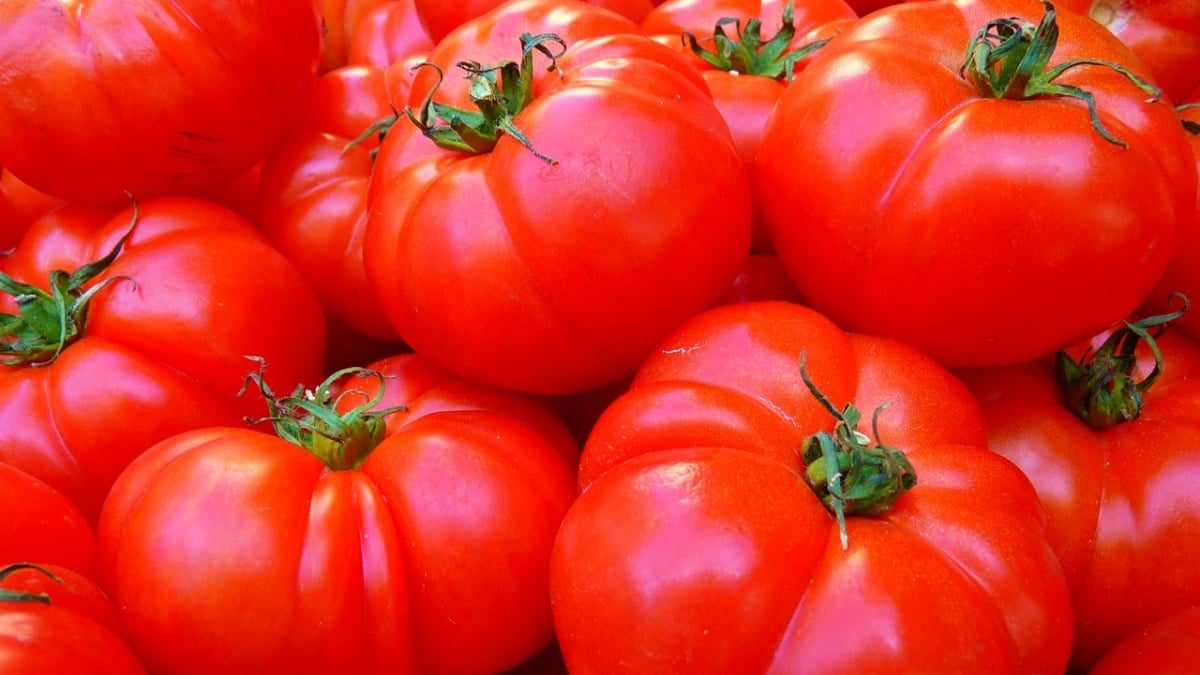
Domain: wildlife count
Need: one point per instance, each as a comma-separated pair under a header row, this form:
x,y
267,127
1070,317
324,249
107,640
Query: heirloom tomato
x,y
43,526
389,33
63,587
340,20
104,97
538,252
1110,439
46,629
135,325
365,540
773,494
988,199
440,18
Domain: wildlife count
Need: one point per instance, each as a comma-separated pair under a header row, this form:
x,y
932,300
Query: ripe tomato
x,y
20,205
340,20
162,344
38,636
588,259
1121,515
43,526
440,18
422,547
1165,34
907,201
389,33
104,97
698,546
1170,646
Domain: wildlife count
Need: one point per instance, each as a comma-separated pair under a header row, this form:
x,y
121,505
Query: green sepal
x,y
747,53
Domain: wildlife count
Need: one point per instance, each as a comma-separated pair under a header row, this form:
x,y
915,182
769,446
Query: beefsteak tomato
x,y
713,533
553,256
150,339
988,209
104,97
401,541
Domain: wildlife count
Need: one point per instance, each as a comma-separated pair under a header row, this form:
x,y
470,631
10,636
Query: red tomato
x,y
340,20
65,587
39,637
1182,274
697,545
194,290
1170,646
982,230
1165,34
440,18
419,548
20,205
571,262
104,97
389,33
1121,512
43,526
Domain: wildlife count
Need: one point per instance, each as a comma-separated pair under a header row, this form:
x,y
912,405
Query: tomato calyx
x,y
47,322
1100,387
1009,58
12,595
499,92
747,54
312,419
849,474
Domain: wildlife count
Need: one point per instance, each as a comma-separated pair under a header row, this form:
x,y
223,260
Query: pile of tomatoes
x,y
620,336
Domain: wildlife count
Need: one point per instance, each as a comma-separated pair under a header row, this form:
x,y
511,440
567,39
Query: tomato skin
x,y
694,546
340,23
1170,646
442,18
1119,512
50,531
36,640
194,268
78,121
1165,34
587,264
439,539
68,590
389,33
877,201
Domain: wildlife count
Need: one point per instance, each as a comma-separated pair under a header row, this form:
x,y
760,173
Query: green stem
x,y
46,323
1009,58
499,92
9,595
1100,387
848,474
311,419
747,53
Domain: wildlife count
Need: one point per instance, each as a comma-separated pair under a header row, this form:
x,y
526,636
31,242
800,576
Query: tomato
x,y
340,21
1165,34
388,33
906,202
1170,646
568,253
749,51
1121,515
38,637
698,546
1182,275
19,206
80,120
43,526
441,18
66,588
421,546
161,346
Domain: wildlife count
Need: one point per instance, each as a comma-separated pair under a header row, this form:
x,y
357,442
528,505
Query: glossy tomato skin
x,y
959,210
1119,510
587,261
442,18
389,33
1165,34
164,349
44,527
74,631
440,539
80,120
1170,646
696,547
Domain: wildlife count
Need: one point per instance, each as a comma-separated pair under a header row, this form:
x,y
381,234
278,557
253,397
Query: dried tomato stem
x,y
1009,58
848,474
